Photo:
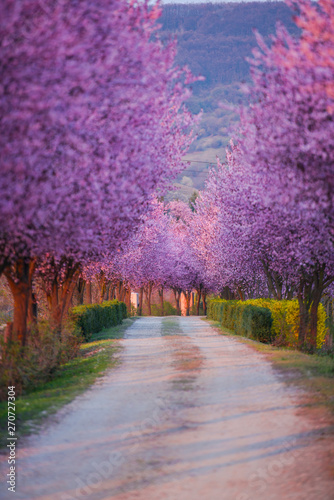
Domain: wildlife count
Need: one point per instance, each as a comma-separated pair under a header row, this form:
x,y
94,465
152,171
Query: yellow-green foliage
x,y
285,315
321,326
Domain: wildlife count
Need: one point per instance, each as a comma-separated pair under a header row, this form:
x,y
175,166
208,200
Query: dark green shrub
x,y
238,320
256,323
92,318
124,310
247,320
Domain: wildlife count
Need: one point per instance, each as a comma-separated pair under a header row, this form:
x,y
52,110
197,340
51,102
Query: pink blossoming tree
x,y
91,124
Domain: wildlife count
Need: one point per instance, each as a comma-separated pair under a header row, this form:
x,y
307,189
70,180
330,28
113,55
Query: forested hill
x,y
214,40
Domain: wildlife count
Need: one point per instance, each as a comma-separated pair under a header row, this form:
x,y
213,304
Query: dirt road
x,y
187,415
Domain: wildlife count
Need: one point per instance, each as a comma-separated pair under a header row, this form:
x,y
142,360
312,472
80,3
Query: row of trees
x,y
265,219
92,124
159,256
90,136
263,226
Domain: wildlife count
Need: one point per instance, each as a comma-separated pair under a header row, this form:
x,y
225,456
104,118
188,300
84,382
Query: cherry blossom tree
x,y
267,215
160,255
91,125
188,271
286,137
146,258
222,232
317,40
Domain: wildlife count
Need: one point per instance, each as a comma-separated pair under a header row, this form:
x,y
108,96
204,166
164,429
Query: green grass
x,y
314,373
69,381
170,326
115,332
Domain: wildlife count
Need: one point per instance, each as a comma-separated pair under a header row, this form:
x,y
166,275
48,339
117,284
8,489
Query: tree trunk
x,y
310,291
314,321
123,293
148,293
59,295
89,292
177,295
19,277
150,299
274,282
8,335
106,292
102,286
141,297
128,300
279,285
241,293
199,292
32,309
204,303
289,293
81,290
119,290
187,296
111,292
270,283
161,295
227,294
303,321
318,290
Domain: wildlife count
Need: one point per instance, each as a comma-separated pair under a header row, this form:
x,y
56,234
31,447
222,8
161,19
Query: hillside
x,y
214,40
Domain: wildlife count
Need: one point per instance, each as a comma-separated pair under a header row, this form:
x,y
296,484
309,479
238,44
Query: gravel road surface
x,y
187,415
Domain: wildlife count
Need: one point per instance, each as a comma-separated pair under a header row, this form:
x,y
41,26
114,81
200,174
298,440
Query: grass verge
x,y
69,381
313,373
171,326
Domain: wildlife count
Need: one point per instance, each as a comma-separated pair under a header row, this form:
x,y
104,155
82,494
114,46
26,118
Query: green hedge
x,y
256,323
92,318
247,320
285,319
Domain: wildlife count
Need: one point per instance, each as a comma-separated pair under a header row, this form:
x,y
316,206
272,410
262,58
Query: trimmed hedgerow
x,y
285,315
245,319
254,323
92,318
